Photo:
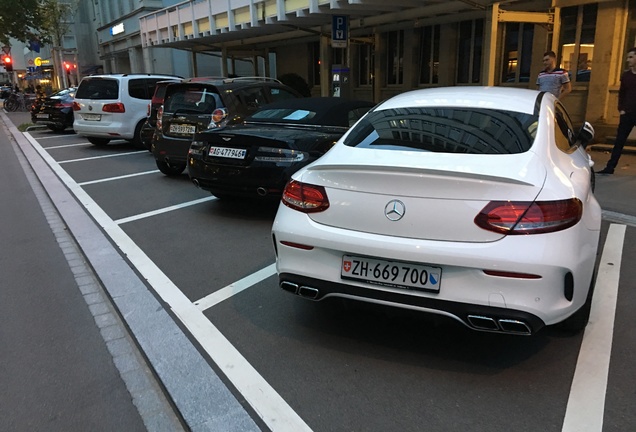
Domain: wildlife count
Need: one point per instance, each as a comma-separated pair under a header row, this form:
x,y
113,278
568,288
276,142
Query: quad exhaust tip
x,y
502,325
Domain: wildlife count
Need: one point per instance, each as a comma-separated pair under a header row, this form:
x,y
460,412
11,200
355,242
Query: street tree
x,y
21,20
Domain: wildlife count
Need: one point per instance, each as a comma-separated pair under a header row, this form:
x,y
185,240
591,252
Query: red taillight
x,y
305,197
159,115
148,110
61,105
76,106
114,108
527,217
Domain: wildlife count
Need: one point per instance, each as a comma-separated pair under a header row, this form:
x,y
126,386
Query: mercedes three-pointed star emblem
x,y
394,210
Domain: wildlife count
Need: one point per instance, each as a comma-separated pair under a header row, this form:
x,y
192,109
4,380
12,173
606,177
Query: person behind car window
x,y
552,78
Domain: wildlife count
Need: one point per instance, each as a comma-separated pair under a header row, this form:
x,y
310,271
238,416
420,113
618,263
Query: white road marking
x,y
84,144
116,178
163,210
56,136
101,157
586,405
234,288
265,401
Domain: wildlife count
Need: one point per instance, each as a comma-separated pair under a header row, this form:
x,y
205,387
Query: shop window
x,y
395,57
365,64
578,25
517,55
429,55
471,41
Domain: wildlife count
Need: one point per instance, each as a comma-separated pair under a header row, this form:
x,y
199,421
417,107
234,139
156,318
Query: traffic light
x,y
67,67
7,61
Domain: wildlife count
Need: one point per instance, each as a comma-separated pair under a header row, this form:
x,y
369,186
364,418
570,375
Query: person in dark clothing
x,y
627,111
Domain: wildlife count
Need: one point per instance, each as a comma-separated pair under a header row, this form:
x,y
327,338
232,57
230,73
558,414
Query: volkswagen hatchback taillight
x,y
114,108
528,217
306,198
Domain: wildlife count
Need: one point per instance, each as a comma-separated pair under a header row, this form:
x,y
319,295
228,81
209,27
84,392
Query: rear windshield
x,y
98,88
191,99
445,130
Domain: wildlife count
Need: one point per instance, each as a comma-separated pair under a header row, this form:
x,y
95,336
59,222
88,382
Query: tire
x,y
98,141
171,169
137,141
579,319
10,104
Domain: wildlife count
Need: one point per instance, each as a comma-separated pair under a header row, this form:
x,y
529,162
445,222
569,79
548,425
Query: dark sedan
x,y
55,111
257,158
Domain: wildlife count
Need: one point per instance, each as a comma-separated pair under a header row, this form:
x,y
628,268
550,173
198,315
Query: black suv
x,y
199,104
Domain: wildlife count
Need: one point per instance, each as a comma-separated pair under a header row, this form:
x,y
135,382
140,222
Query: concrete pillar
x,y
608,63
325,66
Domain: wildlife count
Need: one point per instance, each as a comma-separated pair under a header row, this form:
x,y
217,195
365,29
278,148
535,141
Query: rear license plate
x,y
92,117
391,273
226,152
42,116
183,128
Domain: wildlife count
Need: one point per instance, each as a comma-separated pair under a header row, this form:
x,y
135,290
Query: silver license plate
x,y
226,152
183,128
92,117
42,116
391,273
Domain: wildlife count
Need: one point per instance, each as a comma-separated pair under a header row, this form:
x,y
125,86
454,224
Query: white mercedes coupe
x,y
471,202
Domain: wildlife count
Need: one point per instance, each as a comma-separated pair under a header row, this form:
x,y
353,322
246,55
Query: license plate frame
x,y
185,129
395,274
42,116
227,152
92,117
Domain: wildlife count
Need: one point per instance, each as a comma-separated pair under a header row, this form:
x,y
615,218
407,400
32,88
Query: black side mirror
x,y
586,134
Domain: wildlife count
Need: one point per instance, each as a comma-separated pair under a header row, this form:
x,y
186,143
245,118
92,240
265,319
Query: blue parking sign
x,y
339,31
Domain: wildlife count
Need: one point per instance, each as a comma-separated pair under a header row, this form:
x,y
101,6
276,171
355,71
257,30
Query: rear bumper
x,y
477,317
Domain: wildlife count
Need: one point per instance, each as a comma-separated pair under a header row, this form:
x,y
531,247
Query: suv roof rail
x,y
252,78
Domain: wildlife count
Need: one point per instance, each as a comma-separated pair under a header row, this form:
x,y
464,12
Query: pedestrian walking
x,y
552,78
627,111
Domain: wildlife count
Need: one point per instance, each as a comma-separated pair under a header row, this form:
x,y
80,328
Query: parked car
x,y
475,203
55,111
199,104
150,125
257,157
113,106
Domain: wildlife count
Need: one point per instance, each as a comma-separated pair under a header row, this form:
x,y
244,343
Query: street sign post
x,y
339,31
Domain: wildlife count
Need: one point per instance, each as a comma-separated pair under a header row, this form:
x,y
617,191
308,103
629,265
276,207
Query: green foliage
x,y
44,20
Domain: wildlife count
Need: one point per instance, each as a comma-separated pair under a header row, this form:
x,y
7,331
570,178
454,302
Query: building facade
x,y
374,49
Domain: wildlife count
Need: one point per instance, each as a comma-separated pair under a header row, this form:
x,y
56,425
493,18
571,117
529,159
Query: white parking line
x,y
116,178
235,288
163,210
85,144
265,401
586,405
101,157
39,138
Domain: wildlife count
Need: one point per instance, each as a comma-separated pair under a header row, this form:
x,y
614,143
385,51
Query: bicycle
x,y
18,102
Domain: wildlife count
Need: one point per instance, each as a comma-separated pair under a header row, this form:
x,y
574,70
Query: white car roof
x,y
502,98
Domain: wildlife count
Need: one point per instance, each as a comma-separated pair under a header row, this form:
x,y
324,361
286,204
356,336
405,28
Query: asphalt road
x,y
223,334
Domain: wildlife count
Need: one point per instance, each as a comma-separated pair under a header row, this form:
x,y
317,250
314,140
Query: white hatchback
x,y
471,202
114,106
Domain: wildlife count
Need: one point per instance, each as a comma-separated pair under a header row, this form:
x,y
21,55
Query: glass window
x,y
445,130
395,57
564,132
517,55
252,98
277,94
578,25
98,88
471,39
429,55
192,99
137,88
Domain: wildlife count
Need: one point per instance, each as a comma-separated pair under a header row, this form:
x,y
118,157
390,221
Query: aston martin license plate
x,y
227,152
391,273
